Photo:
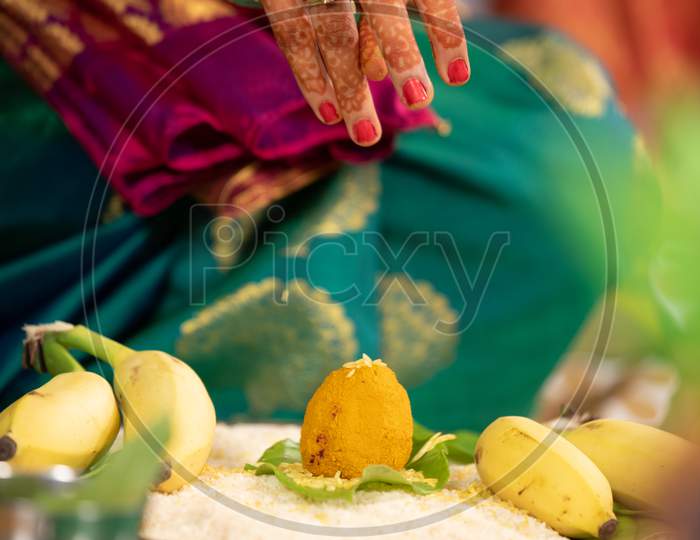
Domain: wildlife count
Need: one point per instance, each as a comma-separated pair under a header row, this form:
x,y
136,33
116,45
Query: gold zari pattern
x,y
411,344
185,12
575,79
57,44
345,208
275,341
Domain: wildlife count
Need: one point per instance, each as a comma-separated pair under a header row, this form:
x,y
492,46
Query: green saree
x,y
467,261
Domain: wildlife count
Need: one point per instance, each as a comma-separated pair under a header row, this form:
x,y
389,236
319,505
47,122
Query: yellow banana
x,y
537,470
636,459
150,386
71,420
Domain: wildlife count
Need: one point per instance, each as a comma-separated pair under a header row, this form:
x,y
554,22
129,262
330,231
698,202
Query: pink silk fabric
x,y
165,95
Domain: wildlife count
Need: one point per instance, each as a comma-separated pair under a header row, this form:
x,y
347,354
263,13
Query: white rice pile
x,y
192,513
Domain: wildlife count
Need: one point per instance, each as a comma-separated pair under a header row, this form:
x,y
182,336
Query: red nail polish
x,y
414,91
458,71
364,131
328,112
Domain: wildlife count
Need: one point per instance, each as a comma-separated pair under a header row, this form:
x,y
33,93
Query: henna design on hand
x,y
371,59
296,38
443,23
338,40
390,22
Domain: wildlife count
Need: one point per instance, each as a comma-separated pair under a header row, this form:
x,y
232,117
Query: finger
x,y
389,20
446,34
371,58
338,41
295,36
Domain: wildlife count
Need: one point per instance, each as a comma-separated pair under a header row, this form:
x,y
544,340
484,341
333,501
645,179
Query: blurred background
x,y
504,177
651,49
652,52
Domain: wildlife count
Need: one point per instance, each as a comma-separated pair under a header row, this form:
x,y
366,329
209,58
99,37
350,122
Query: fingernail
x,y
414,91
364,131
458,71
328,112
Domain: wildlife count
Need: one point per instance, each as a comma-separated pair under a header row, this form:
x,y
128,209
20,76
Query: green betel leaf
x,y
383,477
283,460
460,450
286,451
421,434
318,491
434,465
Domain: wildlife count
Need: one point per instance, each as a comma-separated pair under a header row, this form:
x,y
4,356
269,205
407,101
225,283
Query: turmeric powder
x,y
360,415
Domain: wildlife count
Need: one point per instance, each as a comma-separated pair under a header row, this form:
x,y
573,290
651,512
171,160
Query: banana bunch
x,y
636,459
71,420
569,480
539,471
74,417
150,385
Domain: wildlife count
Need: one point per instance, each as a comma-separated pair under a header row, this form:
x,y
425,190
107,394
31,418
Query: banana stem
x,y
57,359
82,338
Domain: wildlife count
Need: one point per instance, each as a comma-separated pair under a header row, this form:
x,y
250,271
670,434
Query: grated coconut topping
x,y
363,362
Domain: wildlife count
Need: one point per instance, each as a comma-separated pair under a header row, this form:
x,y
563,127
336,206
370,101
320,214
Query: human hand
x,y
332,58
